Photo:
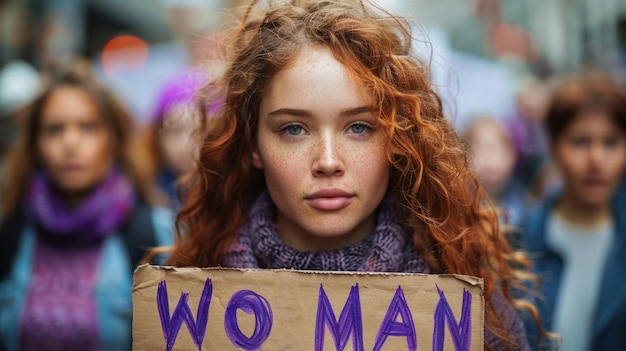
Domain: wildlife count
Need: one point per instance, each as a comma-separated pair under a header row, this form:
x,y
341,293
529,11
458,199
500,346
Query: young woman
x,y
332,153
75,222
494,155
168,143
577,237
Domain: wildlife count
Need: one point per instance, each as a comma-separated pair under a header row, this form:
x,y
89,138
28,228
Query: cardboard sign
x,y
231,309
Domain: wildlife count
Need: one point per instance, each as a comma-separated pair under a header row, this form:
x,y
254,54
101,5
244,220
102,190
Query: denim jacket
x,y
609,325
113,289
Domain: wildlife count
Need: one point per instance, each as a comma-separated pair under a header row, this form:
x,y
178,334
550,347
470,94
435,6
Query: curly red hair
x,y
442,203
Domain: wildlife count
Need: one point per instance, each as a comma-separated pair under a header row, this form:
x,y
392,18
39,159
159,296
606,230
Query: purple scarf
x,y
60,311
388,249
104,210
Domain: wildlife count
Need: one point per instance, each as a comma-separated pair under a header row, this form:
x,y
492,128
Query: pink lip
x,y
329,199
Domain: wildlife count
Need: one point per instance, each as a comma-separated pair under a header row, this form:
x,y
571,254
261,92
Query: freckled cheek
x,y
369,165
377,174
285,168
360,150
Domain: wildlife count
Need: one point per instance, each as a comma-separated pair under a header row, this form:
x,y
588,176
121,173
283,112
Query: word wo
x,y
245,300
349,324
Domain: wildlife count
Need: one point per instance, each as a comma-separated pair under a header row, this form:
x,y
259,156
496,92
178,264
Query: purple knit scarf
x,y
108,205
388,249
60,311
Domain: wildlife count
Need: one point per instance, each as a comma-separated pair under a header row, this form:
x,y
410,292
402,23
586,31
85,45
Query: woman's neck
x,y
582,214
75,199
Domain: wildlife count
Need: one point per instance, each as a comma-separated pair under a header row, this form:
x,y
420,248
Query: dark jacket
x,y
609,325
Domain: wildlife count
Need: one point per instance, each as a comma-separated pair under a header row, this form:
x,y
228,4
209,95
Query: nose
x,y
328,157
71,138
597,154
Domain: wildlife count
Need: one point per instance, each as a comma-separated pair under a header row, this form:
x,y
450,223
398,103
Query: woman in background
x,y
169,143
494,156
577,237
76,220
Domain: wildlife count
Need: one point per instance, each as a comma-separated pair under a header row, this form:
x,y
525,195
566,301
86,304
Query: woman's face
x,y
322,153
177,142
493,156
591,153
74,144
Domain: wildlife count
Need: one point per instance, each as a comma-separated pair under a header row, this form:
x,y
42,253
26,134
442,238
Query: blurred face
x,y
533,100
74,143
591,153
493,157
191,18
322,153
177,142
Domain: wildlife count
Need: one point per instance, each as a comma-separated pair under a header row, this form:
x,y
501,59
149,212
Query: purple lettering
x,y
461,332
350,321
182,313
249,302
391,327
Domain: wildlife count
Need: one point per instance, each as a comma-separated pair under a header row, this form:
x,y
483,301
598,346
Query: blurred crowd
x,y
89,142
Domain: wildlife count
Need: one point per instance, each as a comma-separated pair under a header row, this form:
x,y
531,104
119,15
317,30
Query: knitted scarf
x,y
108,206
388,249
60,312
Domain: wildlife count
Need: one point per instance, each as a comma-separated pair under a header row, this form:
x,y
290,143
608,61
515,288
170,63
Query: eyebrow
x,y
305,113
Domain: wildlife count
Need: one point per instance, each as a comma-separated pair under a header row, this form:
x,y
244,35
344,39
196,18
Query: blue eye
x,y
293,129
359,128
